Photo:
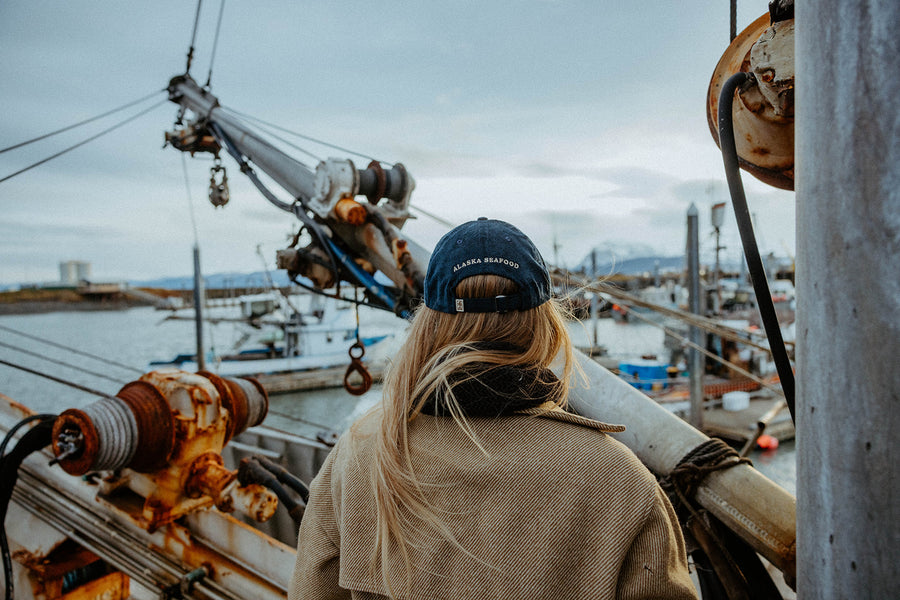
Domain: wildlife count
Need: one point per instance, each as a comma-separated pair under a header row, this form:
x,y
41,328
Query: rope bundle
x,y
682,482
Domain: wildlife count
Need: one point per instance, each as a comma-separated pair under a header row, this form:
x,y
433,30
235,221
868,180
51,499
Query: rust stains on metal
x,y
255,501
182,420
350,211
235,407
76,424
193,553
156,425
26,412
380,182
207,475
763,112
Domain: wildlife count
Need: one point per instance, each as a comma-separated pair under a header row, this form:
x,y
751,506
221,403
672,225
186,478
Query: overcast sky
x,y
583,121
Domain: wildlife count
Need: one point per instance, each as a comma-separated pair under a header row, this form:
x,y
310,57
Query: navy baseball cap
x,y
485,247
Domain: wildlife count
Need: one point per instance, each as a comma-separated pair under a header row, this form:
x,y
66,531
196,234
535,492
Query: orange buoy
x,y
767,442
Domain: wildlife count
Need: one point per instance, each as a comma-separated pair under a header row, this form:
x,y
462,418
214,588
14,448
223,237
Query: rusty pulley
x,y
356,352
763,109
218,189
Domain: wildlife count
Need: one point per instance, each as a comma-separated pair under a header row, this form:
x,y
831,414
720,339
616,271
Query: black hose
x,y
745,227
285,477
34,439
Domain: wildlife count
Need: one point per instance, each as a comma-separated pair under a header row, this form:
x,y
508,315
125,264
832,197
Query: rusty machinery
x,y
161,437
352,215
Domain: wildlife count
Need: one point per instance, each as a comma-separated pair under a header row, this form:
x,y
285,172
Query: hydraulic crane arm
x,y
351,240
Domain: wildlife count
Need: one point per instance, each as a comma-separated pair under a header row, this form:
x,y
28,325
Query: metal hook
x,y
356,366
218,191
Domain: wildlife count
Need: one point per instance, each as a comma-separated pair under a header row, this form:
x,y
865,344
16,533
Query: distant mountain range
x,y
607,265
633,266
258,279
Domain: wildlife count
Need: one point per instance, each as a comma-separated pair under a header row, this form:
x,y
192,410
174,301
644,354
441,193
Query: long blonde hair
x,y
438,345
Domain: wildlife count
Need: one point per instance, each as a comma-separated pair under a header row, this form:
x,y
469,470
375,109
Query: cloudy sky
x,y
582,121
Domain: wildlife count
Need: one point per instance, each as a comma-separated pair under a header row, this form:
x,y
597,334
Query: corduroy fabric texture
x,y
558,509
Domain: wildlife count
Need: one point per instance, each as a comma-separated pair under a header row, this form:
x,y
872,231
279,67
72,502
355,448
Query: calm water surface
x,y
138,336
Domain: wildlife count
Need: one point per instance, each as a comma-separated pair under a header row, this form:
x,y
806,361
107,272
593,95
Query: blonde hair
x,y
438,345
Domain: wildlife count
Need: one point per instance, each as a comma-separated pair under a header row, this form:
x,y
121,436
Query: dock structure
x,y
317,379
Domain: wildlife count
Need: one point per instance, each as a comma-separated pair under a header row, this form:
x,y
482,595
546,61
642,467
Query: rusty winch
x,y
161,438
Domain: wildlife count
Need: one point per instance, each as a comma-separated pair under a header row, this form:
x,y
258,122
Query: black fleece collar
x,y
484,390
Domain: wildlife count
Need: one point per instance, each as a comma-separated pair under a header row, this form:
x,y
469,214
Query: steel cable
x,y
62,363
117,433
212,57
80,123
190,54
305,137
70,349
71,384
83,142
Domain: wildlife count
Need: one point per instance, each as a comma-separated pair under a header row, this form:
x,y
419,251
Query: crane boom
x,y
351,240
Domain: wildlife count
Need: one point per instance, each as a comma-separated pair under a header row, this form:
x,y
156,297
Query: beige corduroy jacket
x,y
557,509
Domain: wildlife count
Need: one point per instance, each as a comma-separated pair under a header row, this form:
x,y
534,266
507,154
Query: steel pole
x,y
199,301
695,359
848,298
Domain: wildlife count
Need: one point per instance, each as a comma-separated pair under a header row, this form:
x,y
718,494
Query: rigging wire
x,y
433,216
90,139
71,384
190,54
187,187
199,299
297,419
62,363
70,349
80,123
704,323
212,58
338,296
306,137
313,156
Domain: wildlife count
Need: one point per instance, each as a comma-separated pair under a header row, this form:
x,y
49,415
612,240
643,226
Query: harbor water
x,y
115,347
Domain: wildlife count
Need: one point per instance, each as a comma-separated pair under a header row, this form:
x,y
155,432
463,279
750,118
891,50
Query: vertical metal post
x,y
595,299
732,31
848,299
695,359
199,300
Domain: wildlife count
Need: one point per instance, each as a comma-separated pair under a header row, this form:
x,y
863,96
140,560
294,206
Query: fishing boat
x,y
286,342
157,491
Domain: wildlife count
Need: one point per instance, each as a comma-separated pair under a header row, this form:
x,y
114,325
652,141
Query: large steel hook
x,y
356,352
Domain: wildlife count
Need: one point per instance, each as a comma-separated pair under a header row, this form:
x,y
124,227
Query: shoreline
x,y
37,307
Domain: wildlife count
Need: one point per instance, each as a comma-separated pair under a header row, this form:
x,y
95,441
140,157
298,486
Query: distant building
x,y
71,272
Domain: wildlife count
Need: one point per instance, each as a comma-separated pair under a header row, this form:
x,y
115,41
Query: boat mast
x,y
848,300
